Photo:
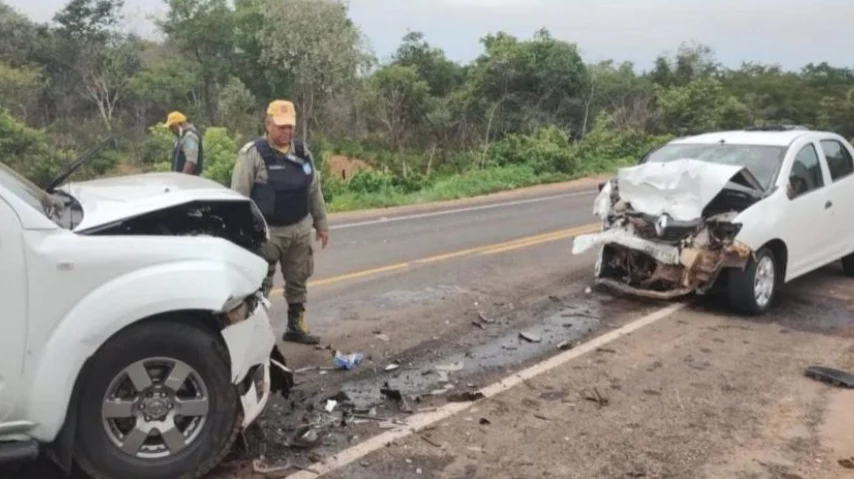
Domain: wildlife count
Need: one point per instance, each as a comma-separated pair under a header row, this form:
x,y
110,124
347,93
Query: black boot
x,y
297,330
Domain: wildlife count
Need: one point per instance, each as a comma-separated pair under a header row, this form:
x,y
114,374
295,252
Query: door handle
x,y
828,205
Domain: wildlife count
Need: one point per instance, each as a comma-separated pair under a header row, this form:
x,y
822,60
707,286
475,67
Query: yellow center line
x,y
482,250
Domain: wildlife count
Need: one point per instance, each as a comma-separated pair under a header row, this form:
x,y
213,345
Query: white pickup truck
x,y
134,337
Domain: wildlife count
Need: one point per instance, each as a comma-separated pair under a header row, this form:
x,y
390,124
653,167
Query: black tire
x,y
201,350
848,265
742,285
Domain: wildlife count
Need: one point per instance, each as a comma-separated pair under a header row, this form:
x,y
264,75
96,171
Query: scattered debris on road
x,y
450,368
390,393
306,437
831,376
485,422
381,336
595,397
430,441
349,361
260,468
564,345
847,463
467,396
530,337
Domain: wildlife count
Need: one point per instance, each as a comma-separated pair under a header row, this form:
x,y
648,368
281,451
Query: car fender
x,y
759,221
177,286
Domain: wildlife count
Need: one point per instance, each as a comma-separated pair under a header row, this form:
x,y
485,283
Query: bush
x,y
220,155
370,181
27,151
604,148
156,148
548,150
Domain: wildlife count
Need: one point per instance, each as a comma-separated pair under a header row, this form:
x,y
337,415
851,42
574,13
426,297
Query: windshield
x,y
763,161
24,188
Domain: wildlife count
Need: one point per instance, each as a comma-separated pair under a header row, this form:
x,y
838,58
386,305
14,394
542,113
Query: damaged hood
x,y
681,188
107,200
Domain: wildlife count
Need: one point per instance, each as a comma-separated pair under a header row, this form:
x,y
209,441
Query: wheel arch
x,y
781,255
61,450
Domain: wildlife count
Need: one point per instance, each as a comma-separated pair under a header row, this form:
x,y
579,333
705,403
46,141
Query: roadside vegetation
x,y
414,127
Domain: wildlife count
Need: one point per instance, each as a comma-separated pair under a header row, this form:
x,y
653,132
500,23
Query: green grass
x,y
463,185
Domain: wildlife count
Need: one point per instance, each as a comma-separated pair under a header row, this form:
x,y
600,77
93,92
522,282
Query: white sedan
x,y
745,210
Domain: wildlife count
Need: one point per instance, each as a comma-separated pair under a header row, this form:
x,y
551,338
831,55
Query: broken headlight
x,y
238,309
725,231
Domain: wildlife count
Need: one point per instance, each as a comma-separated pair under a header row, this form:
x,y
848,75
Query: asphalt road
x,y
378,258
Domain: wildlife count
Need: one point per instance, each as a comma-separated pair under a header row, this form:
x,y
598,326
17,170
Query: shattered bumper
x,y
669,271
250,343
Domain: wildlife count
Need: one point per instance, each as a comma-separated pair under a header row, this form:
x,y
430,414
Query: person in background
x,y
187,154
278,173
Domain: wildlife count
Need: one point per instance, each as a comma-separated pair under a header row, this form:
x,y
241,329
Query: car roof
x,y
747,137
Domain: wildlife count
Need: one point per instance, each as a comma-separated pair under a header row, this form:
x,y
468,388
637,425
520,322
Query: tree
x,y
431,64
700,105
106,75
398,101
523,85
205,31
19,88
89,20
320,47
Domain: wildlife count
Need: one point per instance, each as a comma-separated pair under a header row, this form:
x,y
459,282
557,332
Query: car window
x,y
839,160
806,172
763,161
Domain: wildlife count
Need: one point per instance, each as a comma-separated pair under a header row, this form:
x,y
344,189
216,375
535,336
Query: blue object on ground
x,y
349,361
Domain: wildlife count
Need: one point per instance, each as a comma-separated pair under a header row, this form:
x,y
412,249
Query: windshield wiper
x,y
85,158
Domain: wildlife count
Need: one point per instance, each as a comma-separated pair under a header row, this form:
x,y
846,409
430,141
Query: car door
x,y
13,297
806,222
840,166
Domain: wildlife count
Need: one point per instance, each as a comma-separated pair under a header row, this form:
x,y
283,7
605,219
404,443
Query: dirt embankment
x,y
344,168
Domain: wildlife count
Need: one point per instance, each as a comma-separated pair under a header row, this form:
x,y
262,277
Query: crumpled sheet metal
x,y
602,204
662,253
680,188
645,293
249,344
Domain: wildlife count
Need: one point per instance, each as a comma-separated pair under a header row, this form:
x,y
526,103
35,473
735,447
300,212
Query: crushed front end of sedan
x,y
669,229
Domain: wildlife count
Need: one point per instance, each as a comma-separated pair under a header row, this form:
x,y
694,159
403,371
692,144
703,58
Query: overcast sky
x,y
788,32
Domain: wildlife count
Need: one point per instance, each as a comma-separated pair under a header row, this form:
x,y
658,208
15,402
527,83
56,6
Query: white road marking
x,y
460,210
418,422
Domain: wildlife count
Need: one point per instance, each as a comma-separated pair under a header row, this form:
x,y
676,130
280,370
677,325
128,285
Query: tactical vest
x,y
284,199
179,158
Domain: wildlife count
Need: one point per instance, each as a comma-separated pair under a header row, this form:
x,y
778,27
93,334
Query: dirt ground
x,y
344,168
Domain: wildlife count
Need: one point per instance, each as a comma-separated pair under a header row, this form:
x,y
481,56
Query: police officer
x,y
187,154
279,174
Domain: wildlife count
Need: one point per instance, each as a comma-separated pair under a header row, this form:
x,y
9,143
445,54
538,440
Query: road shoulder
x,y
581,184
694,395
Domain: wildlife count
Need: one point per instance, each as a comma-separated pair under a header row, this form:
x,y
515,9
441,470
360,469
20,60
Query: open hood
x,y
681,188
108,200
